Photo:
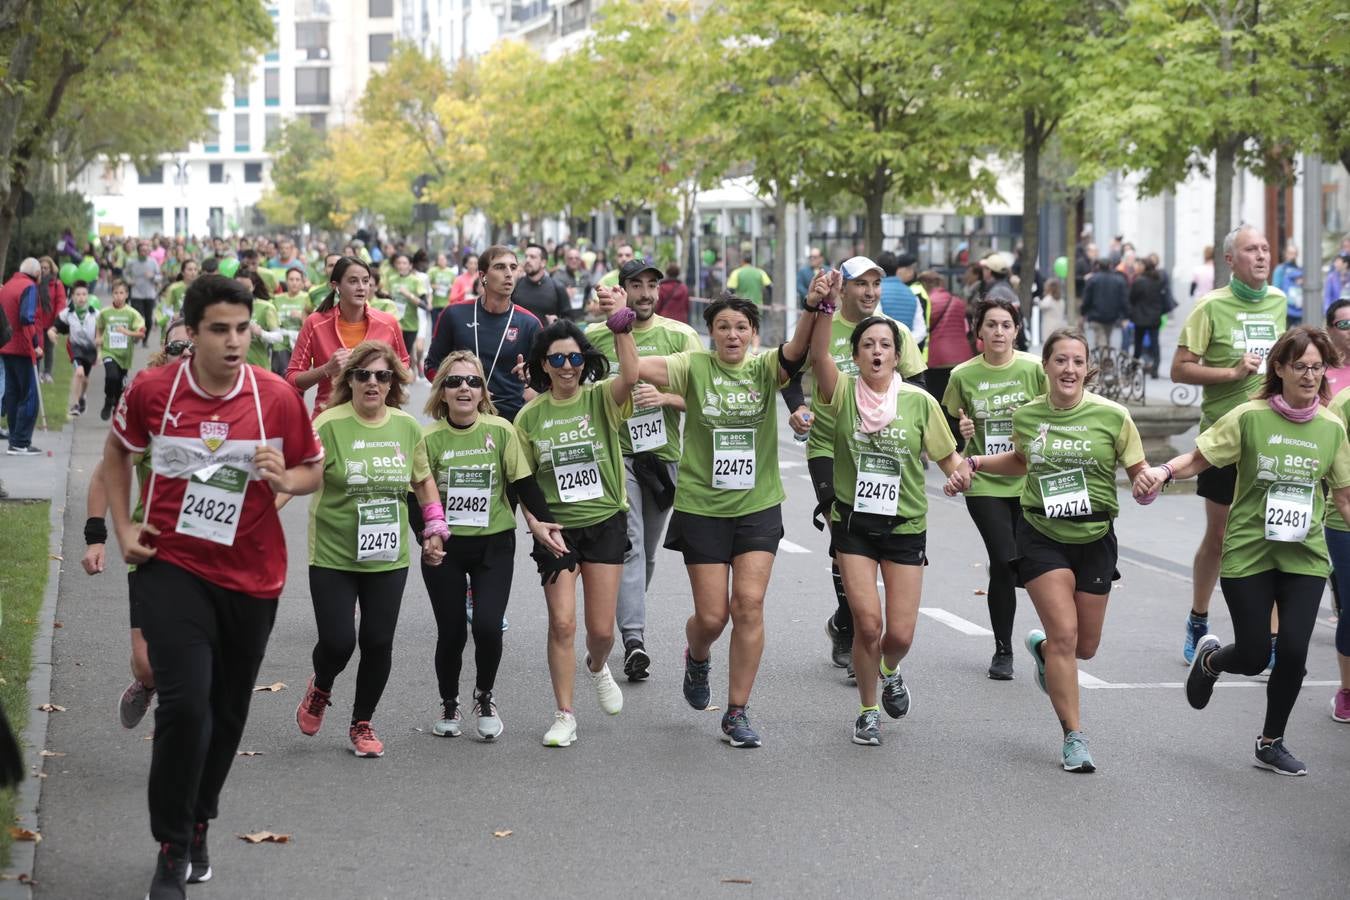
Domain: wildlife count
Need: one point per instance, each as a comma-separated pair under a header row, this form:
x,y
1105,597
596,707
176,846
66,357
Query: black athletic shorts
x,y
1093,564
135,599
85,363
409,339
605,542
904,549
1217,483
711,540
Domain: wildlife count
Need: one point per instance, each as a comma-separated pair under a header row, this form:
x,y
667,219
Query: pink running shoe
x,y
364,741
309,714
1340,706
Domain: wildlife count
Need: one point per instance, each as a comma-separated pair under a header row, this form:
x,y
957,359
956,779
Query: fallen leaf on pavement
x,y
270,688
712,708
51,707
249,753
506,832
737,881
270,837
24,834
56,557
148,737
50,753
58,625
979,593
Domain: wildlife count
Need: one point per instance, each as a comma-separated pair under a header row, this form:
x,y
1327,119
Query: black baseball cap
x,y
905,261
635,267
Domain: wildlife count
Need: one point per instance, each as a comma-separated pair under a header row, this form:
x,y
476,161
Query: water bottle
x,y
801,438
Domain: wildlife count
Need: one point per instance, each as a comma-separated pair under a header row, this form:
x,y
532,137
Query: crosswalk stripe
x,y
788,547
952,620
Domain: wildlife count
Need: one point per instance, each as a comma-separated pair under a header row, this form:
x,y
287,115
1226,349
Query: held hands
x,y
550,535
137,543
800,420
271,465
959,482
1147,484
621,320
966,425
433,550
824,291
610,298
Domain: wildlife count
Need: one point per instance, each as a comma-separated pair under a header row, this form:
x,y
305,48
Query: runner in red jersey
x,y
223,438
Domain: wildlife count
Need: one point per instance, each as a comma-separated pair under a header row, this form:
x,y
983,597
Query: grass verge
x,y
56,396
24,539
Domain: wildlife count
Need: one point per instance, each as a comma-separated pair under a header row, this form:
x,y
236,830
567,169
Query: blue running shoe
x,y
736,729
1035,638
1195,630
696,690
1076,756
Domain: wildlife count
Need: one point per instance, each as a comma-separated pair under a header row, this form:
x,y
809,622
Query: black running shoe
x,y
696,689
636,662
736,729
867,730
841,644
170,876
1200,683
106,413
895,697
1276,758
201,861
1001,666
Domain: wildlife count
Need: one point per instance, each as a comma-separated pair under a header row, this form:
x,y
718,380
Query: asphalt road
x,y
965,798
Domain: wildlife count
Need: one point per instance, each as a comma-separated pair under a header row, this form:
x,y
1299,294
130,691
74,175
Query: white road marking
x,y
803,476
784,464
1091,681
788,547
952,620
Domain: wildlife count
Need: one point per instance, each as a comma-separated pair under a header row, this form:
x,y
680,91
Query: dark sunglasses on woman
x,y
556,360
454,381
177,348
383,376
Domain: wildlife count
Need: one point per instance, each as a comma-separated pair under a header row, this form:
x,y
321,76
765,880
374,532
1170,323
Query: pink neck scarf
x,y
1281,406
875,410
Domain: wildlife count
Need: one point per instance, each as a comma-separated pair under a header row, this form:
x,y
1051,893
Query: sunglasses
x,y
454,381
556,360
383,376
177,348
1341,325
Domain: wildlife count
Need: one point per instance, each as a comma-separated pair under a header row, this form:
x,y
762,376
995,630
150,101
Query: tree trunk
x,y
1225,166
688,262
1070,280
1031,207
872,235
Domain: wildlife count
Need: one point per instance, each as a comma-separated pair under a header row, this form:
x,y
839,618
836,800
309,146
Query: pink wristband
x,y
433,518
974,462
1168,469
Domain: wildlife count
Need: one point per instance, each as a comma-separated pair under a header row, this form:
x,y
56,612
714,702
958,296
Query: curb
x,y
34,738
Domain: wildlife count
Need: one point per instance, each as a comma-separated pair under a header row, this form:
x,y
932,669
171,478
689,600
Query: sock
x,y
886,670
1202,616
863,709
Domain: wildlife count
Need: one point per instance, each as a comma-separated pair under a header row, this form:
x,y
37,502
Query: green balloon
x,y
93,237
228,267
69,273
1062,267
709,257
88,270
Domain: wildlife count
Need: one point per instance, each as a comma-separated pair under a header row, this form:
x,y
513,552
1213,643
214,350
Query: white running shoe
x,y
563,731
489,722
451,722
606,689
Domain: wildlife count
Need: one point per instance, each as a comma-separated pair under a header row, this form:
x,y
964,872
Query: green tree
x,y
299,192
834,97
87,78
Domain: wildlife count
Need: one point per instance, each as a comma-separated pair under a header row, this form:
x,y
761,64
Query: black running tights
x,y
336,593
996,519
1249,603
488,562
822,480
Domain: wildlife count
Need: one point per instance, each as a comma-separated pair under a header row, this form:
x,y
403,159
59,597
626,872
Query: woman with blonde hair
x,y
479,468
358,525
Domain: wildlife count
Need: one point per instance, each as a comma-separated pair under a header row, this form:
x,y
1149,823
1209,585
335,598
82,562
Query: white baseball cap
x,y
858,266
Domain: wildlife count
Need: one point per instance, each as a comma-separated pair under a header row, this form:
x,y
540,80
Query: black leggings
x,y
996,519
1249,602
489,562
822,480
336,593
114,380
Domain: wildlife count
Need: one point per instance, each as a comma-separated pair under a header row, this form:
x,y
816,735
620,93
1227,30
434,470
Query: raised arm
x,y
824,290
626,348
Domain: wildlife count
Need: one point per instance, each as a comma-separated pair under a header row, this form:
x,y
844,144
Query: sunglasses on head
x,y
177,348
454,381
383,376
556,360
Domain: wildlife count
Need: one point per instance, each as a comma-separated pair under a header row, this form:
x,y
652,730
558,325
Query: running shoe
x,y
867,730
563,731
364,742
199,868
851,675
1275,757
1200,683
1035,640
636,662
895,697
82,405
736,729
696,689
1001,666
1340,706
170,881
1076,756
135,703
841,644
1195,630
309,714
606,688
451,722
74,411
106,413
30,450
489,723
